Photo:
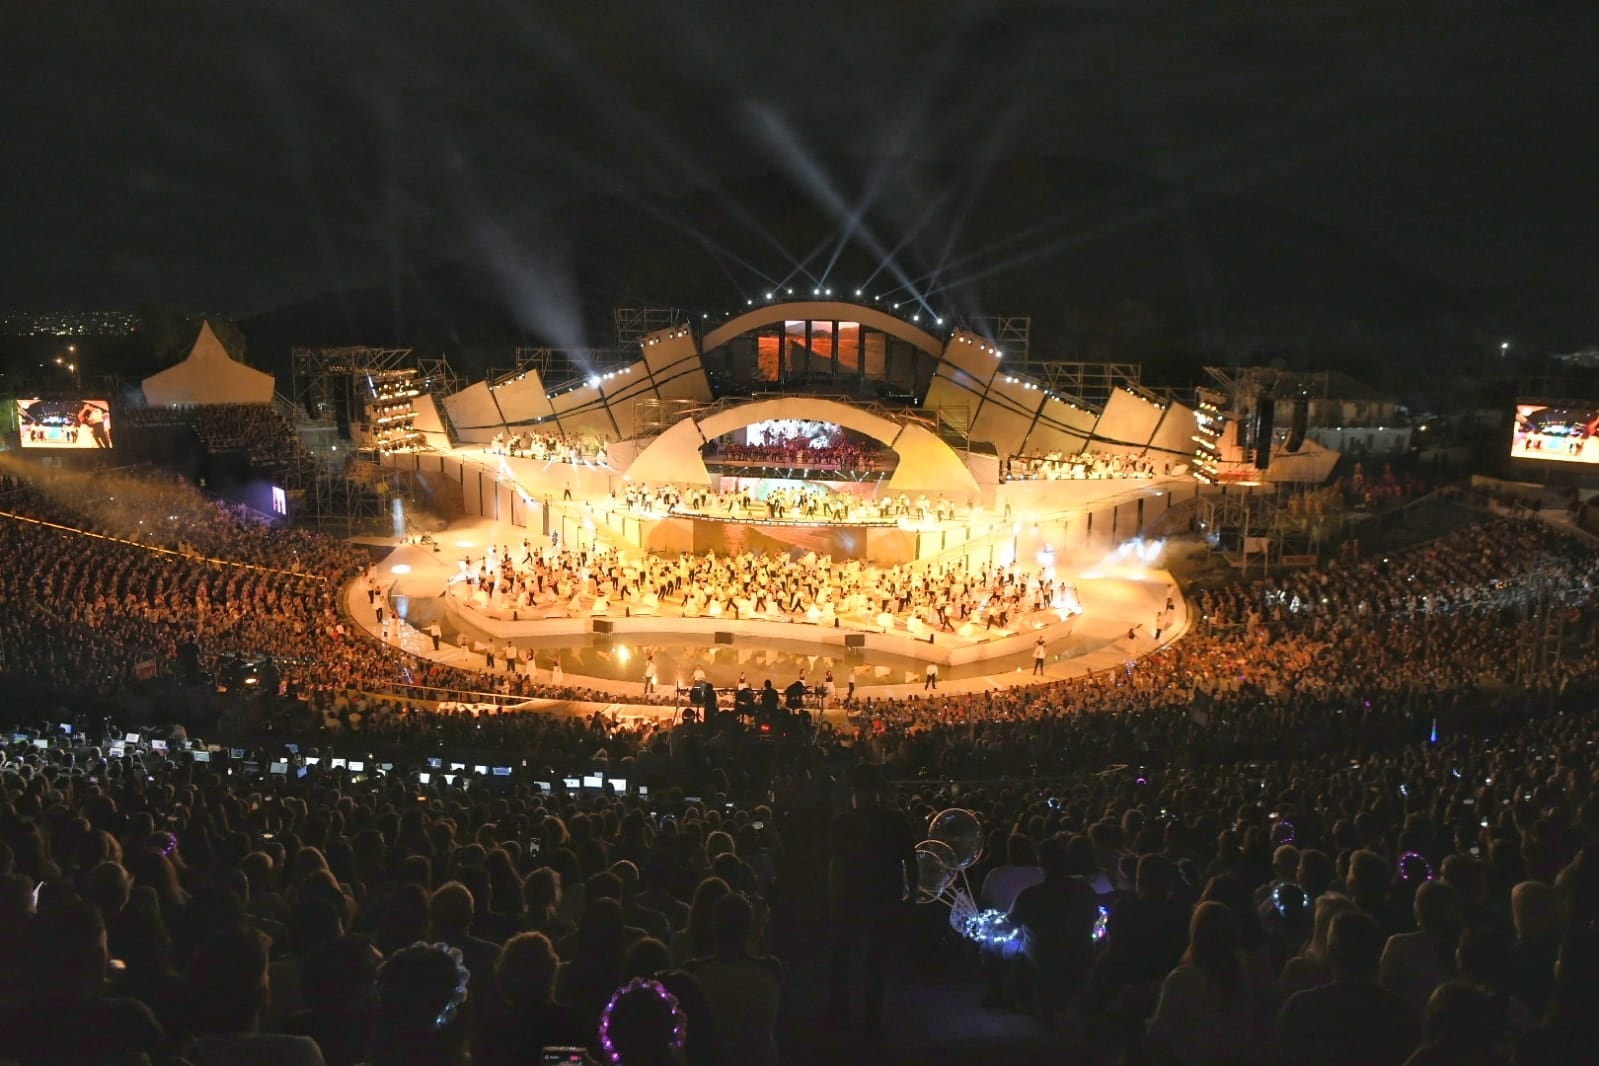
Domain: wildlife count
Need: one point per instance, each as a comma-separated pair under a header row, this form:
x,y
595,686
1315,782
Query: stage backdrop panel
x,y
474,413
522,399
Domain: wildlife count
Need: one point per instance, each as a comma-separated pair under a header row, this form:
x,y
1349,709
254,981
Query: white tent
x,y
208,375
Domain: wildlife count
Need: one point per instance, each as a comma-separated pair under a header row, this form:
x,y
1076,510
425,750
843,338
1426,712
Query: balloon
x,y
960,829
935,869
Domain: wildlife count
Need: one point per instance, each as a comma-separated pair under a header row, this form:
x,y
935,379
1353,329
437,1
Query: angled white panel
x,y
522,399
1128,422
473,413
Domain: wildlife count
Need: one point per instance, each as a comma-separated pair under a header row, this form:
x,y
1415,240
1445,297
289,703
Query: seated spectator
x,y
644,1025
655,878
1020,870
697,938
1058,916
525,1016
1570,1030
1145,938
1462,1028
1413,964
1539,919
1206,1012
65,1017
592,960
228,982
1311,968
1353,1021
743,990
1483,961
339,988
422,993
450,916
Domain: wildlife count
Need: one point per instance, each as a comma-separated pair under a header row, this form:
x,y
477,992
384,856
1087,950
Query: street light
x,y
1504,349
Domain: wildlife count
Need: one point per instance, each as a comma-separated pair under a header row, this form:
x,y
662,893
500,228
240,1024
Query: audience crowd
x,y
1345,820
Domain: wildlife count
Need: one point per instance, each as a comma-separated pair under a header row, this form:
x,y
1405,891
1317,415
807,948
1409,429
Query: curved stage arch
x,y
926,464
838,310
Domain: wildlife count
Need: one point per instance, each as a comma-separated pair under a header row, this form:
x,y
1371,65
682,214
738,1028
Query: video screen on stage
x,y
793,432
64,423
1558,434
280,501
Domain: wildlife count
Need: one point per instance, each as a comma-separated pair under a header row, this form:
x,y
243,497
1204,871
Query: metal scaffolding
x,y
558,368
1012,334
633,324
652,417
1085,384
328,381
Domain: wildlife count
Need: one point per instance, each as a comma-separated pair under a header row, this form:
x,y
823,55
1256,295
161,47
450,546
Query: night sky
x,y
248,154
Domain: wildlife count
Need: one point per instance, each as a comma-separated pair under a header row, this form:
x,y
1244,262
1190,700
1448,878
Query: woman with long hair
x,y
1206,1012
696,940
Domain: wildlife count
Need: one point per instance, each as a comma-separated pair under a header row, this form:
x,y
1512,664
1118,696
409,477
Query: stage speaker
x,y
854,640
724,638
603,625
1265,425
1300,423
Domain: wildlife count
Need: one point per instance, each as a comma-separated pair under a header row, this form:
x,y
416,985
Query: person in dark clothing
x,y
66,946
1353,1020
873,865
1057,917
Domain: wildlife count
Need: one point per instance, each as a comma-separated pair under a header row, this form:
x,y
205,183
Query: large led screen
x,y
1561,434
64,423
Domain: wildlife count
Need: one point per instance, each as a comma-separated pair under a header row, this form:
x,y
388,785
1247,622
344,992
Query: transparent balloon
x,y
960,829
935,870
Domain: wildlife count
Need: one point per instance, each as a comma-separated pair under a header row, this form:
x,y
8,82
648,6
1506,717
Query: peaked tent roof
x,y
208,375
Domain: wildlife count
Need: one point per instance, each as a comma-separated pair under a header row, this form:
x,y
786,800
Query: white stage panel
x,y
1061,427
427,414
1176,431
522,399
474,413
1128,423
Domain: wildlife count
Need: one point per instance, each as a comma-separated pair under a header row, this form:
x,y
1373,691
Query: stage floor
x,y
1119,593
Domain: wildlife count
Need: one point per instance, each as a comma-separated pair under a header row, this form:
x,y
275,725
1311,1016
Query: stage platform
x,y
1120,594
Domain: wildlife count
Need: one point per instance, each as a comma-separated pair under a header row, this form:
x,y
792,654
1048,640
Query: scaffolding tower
x,y
1086,384
633,324
1011,334
330,384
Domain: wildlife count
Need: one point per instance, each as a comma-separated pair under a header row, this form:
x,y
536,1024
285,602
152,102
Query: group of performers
x,y
1087,466
547,447
955,598
817,503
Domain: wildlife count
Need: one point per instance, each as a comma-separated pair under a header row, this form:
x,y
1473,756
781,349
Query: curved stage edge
x,y
1132,593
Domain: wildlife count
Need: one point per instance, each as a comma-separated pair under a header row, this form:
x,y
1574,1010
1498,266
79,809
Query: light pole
x,y
1504,349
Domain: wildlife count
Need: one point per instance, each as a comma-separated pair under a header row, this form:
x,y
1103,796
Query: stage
x,y
1120,594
